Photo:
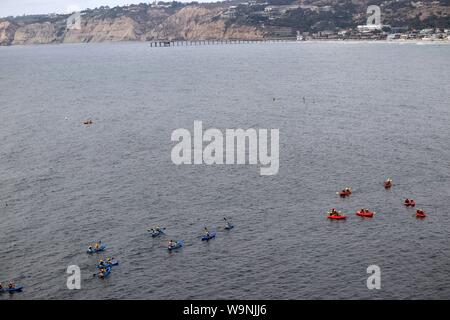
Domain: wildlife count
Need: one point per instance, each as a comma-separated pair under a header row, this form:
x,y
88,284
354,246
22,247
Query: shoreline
x,y
267,41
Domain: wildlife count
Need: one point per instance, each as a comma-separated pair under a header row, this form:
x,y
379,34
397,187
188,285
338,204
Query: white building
x,y
367,28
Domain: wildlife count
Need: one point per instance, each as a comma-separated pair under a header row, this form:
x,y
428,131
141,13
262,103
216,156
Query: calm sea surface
x,y
349,114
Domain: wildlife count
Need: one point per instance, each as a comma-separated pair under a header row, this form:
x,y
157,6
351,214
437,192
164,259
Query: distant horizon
x,y
37,7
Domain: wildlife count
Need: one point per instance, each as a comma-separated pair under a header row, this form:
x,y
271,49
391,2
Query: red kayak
x,y
344,194
337,217
420,213
410,203
365,214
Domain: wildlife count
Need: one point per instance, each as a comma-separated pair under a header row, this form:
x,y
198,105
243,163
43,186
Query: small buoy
x,y
65,118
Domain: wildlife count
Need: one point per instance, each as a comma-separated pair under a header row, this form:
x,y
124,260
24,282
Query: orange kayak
x,y
344,194
364,214
337,217
410,203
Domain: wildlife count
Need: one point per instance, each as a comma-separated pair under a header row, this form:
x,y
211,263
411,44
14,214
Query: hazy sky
x,y
19,7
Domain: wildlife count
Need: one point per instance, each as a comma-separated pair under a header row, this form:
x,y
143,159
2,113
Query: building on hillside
x,y
369,28
230,13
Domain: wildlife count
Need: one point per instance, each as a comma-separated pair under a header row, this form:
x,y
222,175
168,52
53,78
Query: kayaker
x,y
101,263
172,243
11,285
108,261
1,286
407,201
98,244
90,248
228,224
206,232
333,212
420,212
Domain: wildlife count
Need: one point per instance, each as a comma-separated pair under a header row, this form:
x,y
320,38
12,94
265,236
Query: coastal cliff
x,y
187,23
256,19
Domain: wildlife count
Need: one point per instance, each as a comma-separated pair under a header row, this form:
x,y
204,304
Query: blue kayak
x,y
157,233
12,290
229,227
108,265
106,274
178,244
93,250
208,237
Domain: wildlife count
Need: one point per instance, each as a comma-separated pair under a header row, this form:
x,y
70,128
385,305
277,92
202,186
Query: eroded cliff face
x,y
193,23
7,31
187,23
36,33
99,30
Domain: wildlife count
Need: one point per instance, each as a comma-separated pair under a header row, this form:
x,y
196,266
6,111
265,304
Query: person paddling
x,y
172,243
333,212
207,232
228,225
420,213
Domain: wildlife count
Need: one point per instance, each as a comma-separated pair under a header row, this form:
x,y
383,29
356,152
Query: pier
x,y
178,43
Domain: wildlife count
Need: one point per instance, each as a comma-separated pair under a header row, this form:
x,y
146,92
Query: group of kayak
x,y
104,266
366,213
420,213
411,203
11,288
337,215
176,244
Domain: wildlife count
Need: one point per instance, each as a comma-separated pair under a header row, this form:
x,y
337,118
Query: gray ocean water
x,y
349,114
